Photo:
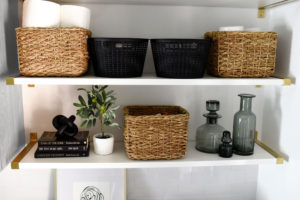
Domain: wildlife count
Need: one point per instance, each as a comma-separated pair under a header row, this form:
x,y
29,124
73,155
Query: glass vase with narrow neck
x,y
244,127
208,136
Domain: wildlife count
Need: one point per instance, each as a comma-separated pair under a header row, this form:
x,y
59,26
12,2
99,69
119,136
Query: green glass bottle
x,y
244,126
209,135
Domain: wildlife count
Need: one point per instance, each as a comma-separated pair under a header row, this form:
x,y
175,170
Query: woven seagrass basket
x,y
240,54
155,132
52,51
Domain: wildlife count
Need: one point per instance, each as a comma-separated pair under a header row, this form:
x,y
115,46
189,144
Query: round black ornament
x,y
65,126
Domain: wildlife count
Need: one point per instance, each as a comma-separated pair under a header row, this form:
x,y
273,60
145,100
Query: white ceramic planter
x,y
103,146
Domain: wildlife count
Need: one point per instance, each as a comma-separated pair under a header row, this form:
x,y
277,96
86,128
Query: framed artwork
x,y
91,184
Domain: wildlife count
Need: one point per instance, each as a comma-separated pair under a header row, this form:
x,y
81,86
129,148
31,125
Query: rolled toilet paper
x,y
231,28
40,13
75,16
254,29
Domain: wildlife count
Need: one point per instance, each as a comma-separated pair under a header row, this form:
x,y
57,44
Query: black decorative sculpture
x,y
225,149
65,126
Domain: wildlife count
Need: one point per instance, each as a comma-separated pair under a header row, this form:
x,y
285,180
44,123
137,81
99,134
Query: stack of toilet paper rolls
x,y
40,13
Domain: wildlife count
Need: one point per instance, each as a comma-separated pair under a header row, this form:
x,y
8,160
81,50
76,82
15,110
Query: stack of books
x,y
50,146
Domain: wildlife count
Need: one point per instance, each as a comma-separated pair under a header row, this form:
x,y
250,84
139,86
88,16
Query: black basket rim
x,y
117,39
178,40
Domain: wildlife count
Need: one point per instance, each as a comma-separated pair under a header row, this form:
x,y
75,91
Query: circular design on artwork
x,y
91,193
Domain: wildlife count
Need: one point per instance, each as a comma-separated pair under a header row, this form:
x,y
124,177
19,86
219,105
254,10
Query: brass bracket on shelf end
x,y
22,154
279,158
261,13
287,81
31,85
10,81
33,137
261,10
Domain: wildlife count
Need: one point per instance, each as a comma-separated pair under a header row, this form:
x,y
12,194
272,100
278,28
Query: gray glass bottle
x,y
209,135
244,126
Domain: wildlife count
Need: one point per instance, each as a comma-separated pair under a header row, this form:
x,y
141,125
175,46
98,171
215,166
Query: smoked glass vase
x,y
244,126
209,135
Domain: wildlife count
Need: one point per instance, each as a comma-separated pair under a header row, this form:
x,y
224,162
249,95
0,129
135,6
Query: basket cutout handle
x,y
123,45
192,45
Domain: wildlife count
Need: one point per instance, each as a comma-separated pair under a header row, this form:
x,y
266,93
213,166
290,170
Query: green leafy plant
x,y
99,105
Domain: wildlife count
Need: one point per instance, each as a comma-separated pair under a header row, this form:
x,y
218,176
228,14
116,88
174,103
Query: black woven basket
x,y
118,57
180,58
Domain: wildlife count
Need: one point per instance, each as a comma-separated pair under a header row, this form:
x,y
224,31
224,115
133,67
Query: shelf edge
x,y
287,81
10,81
145,80
15,164
22,154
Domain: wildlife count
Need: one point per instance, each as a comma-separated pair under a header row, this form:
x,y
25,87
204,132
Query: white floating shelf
x,y
144,80
119,159
204,3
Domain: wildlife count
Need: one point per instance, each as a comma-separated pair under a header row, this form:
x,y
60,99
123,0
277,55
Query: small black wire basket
x,y
180,58
118,57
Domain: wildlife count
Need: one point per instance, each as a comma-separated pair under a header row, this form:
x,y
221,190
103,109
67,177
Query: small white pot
x,y
103,146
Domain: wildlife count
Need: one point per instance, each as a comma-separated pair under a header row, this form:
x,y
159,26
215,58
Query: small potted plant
x,y
99,106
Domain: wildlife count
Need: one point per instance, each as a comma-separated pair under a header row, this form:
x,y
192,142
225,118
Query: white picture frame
x,y
91,184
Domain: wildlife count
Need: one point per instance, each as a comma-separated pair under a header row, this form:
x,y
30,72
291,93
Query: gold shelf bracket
x,y
279,158
261,12
287,81
22,154
10,81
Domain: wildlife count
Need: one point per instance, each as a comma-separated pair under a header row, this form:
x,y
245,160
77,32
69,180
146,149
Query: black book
x,y
41,154
49,139
62,148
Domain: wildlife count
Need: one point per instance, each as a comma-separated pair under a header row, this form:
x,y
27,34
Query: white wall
x,y
200,183
281,111
12,138
27,184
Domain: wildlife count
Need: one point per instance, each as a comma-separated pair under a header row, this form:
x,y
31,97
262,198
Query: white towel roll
x,y
231,28
255,29
39,13
75,16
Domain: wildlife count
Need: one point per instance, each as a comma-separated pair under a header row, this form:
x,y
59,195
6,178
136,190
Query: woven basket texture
x,y
52,51
242,54
151,136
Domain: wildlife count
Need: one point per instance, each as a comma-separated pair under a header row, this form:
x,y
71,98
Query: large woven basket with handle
x,y
155,132
58,51
240,54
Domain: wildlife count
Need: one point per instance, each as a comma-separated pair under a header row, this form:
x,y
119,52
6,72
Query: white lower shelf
x,y
119,159
148,79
